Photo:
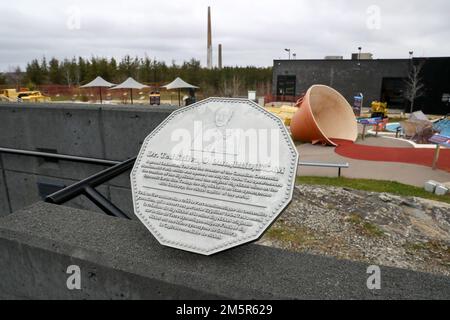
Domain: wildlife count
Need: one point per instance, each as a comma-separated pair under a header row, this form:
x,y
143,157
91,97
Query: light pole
x,y
359,56
411,54
288,50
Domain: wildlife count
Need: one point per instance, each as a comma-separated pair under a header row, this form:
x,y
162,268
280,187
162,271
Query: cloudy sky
x,y
253,32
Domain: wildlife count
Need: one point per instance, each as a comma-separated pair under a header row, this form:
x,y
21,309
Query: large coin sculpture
x,y
214,175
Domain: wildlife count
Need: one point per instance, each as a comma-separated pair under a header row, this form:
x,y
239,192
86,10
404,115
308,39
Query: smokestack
x,y
220,56
209,58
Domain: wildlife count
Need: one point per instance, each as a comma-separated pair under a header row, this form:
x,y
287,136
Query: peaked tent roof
x,y
130,83
179,83
98,82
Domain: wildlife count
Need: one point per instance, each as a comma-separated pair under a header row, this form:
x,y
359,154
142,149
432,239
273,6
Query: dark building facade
x,y
379,80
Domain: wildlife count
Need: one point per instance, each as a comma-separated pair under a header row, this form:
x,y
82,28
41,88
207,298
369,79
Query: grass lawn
x,y
392,187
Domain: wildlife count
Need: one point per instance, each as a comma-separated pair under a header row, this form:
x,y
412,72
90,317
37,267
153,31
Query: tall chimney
x,y
209,58
220,56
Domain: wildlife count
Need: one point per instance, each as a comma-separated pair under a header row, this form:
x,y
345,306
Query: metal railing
x,y
59,156
86,186
339,166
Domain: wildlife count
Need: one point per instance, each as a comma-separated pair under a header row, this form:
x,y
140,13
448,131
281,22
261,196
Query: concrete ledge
x,y
120,259
89,106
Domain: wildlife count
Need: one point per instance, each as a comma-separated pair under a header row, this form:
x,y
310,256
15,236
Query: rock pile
x,y
378,228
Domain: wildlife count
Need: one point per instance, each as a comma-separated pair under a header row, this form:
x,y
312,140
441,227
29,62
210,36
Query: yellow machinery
x,y
285,113
12,95
379,109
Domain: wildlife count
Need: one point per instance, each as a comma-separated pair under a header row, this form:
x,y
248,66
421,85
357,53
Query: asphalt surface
x,y
406,173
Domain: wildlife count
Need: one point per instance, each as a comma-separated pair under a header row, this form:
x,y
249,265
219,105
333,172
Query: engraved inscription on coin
x,y
214,175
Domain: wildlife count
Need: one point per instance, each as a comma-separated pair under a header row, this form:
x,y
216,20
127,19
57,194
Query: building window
x,y
286,85
393,92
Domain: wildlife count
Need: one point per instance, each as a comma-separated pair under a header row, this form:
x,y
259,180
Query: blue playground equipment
x,y
443,126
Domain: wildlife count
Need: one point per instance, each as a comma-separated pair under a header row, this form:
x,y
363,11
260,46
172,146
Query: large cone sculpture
x,y
324,116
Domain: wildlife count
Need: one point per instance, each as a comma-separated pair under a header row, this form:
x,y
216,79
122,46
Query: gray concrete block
x,y
12,131
441,190
23,191
121,197
430,186
61,169
4,204
68,129
105,132
125,129
119,259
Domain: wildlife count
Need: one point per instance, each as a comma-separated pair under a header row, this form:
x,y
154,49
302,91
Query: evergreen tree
x,y
228,81
55,72
34,73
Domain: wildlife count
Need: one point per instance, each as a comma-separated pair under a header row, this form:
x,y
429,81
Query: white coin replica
x,y
214,175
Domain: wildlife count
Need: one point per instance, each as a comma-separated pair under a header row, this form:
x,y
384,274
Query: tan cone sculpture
x,y
323,116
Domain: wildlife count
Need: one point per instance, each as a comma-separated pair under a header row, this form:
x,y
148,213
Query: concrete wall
x,y
347,76
120,259
105,132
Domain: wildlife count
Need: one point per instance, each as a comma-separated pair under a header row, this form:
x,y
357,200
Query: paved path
x,y
384,142
401,172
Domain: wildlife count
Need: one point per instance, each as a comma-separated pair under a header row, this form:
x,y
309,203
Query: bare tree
x,y
231,88
67,74
225,90
236,86
268,87
77,75
414,85
16,75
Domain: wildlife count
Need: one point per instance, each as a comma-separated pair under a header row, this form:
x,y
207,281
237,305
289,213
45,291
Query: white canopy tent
x,y
99,83
130,84
179,84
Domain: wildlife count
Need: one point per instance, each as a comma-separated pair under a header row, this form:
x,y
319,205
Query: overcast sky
x,y
253,32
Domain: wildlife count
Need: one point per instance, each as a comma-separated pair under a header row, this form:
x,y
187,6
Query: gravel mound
x,y
378,228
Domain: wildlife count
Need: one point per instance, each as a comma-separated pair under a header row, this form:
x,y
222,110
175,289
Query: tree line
x,y
228,81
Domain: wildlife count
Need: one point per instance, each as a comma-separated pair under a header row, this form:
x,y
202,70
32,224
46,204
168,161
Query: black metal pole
x,y
59,156
97,179
131,95
103,203
101,100
86,186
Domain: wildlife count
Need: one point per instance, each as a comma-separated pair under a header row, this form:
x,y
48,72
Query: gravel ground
x,y
378,228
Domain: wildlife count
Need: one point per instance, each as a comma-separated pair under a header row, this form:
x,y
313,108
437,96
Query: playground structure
x,y
324,115
379,109
285,113
418,128
443,126
12,95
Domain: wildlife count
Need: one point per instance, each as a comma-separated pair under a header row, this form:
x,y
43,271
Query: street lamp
x,y
411,56
288,50
294,55
359,56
